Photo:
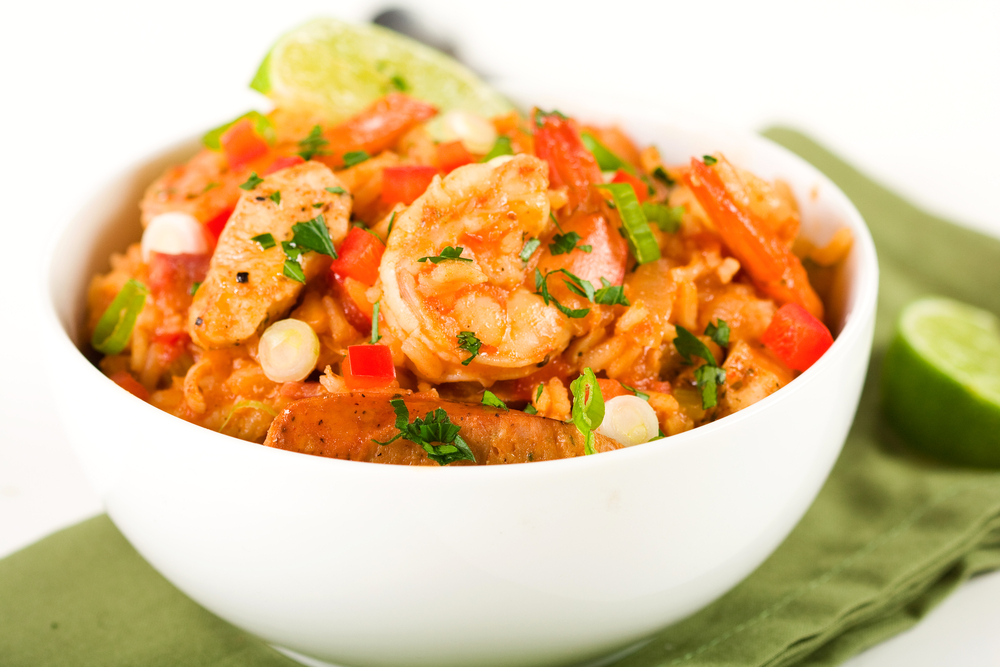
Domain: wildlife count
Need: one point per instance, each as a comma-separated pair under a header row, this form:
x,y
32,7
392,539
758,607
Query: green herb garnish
x,y
435,427
313,235
530,246
265,241
313,144
538,391
539,115
719,332
399,83
467,341
501,146
336,191
251,182
276,197
292,269
352,158
588,407
490,399
635,392
566,243
392,221
530,410
709,376
114,329
709,160
194,288
448,252
610,295
542,289
376,336
210,186
661,175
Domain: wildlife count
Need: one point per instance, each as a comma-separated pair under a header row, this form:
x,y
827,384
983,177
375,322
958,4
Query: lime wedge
x,y
941,381
337,69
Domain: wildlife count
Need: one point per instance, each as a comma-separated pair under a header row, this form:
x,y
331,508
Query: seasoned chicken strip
x,y
245,287
342,426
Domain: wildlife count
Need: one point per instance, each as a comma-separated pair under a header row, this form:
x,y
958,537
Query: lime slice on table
x,y
340,68
941,381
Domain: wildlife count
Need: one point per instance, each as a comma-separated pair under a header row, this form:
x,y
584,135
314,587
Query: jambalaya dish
x,y
531,288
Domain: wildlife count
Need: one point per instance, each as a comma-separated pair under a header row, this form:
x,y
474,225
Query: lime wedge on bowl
x,y
941,381
340,68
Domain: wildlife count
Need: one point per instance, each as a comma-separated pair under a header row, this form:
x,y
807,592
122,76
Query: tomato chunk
x,y
283,162
368,367
359,256
241,145
796,337
218,223
402,185
452,155
640,187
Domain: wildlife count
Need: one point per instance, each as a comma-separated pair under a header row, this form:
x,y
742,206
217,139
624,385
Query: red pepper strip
x,y
452,155
218,223
368,367
376,128
283,162
557,141
241,145
796,337
640,187
359,256
402,185
125,380
772,267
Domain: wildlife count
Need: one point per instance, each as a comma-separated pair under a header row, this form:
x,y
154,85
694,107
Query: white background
x,y
908,91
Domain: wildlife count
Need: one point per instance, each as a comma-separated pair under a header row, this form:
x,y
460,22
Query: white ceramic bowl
x,y
544,563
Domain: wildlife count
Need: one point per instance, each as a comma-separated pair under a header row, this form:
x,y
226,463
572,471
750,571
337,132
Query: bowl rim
x,y
858,312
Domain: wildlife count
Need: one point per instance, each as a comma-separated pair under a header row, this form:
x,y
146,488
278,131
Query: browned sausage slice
x,y
343,426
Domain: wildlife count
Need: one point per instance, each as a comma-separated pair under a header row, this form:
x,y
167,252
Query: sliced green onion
x,y
640,237
501,147
256,405
262,125
667,218
606,159
114,329
588,407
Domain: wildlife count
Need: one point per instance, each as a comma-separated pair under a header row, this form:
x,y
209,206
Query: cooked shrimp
x,y
343,426
245,286
490,211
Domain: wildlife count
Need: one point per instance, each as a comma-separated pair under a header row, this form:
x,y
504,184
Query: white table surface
x,y
909,91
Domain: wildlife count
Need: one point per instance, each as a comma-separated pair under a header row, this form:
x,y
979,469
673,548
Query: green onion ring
x,y
114,329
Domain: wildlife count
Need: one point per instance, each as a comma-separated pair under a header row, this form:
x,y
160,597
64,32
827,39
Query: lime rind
x,y
338,69
939,382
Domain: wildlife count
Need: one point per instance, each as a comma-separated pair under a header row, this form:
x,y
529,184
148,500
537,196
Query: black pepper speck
x,y
243,277
198,321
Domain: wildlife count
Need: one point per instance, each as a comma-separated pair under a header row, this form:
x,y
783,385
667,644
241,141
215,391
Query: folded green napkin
x,y
888,537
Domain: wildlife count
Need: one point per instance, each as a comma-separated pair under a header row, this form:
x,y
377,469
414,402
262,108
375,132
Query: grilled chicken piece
x,y
245,287
343,426
752,375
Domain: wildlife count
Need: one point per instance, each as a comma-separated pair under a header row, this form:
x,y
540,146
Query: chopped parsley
x,y
541,115
399,83
490,399
448,252
608,295
313,235
563,244
467,341
194,288
538,391
392,221
292,269
635,392
530,246
318,204
313,144
588,407
709,160
210,186
352,158
542,289
336,191
276,197
435,427
251,182
265,241
710,376
661,175
530,410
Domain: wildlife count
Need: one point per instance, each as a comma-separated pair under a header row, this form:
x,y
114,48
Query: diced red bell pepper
x,y
174,275
368,367
359,256
772,267
452,155
283,162
218,223
402,185
796,337
557,141
125,380
241,145
640,187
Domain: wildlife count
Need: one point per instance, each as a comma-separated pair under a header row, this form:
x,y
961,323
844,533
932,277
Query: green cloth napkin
x,y
890,535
